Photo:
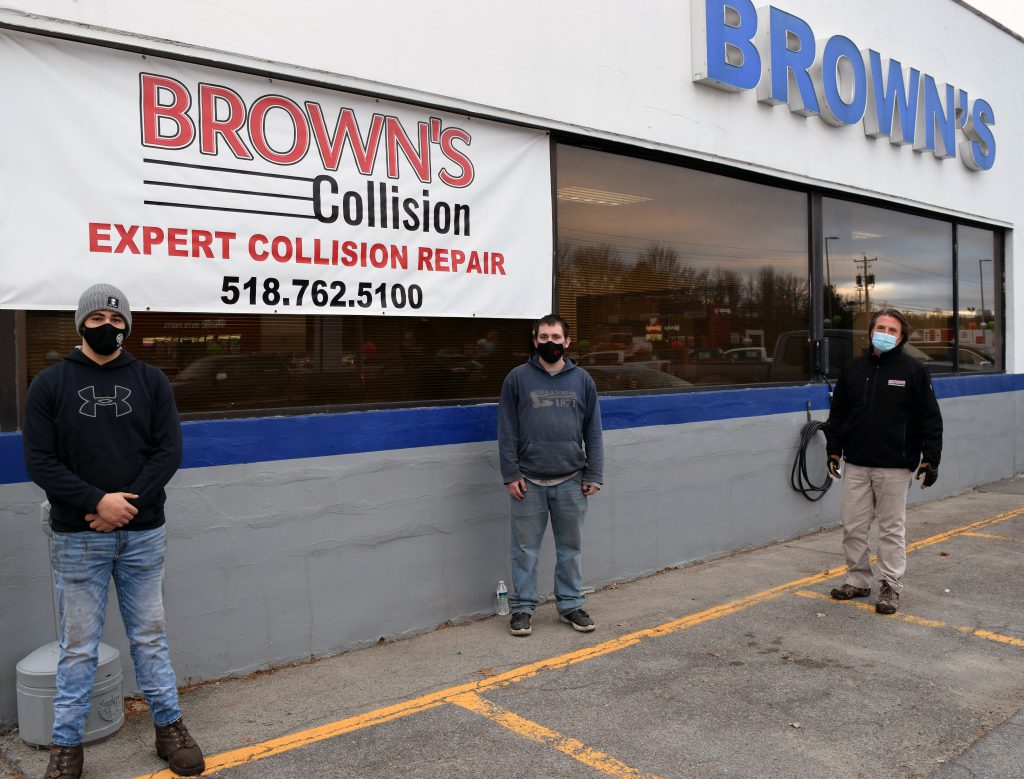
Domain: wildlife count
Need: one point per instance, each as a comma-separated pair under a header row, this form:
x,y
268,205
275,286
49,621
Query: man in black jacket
x,y
101,436
885,422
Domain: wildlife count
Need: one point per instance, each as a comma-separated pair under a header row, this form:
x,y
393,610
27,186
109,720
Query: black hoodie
x,y
884,413
92,429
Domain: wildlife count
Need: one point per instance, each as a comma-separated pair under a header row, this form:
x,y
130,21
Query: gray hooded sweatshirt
x,y
549,426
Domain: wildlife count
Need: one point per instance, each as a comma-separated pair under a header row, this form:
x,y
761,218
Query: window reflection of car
x,y
746,354
933,365
969,359
622,357
984,350
170,371
618,378
705,353
236,381
791,359
742,365
605,357
456,362
451,374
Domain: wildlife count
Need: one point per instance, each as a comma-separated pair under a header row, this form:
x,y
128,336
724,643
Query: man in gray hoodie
x,y
552,458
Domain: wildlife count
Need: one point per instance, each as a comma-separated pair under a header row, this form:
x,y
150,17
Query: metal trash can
x,y
37,687
37,684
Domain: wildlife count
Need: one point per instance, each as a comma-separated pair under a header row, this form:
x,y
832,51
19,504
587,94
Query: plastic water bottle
x,y
502,599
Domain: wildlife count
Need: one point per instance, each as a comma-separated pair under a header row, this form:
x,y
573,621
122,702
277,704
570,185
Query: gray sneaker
x,y
519,625
579,619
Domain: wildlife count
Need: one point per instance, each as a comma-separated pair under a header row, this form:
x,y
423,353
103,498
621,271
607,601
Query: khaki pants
x,y
869,494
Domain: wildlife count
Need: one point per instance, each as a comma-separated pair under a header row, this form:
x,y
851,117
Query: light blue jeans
x,y
567,506
83,564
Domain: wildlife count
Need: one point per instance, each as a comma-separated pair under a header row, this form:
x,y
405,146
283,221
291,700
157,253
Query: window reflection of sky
x,y
977,248
709,220
914,266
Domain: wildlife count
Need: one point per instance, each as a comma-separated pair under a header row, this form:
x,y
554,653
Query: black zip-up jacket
x,y
884,413
92,429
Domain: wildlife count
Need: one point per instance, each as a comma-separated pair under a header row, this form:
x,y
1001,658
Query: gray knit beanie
x,y
103,297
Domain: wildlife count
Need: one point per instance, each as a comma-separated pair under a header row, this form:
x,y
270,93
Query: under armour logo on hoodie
x,y
119,401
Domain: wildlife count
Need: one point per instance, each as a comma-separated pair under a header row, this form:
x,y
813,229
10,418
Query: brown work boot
x,y
888,600
179,749
65,763
848,591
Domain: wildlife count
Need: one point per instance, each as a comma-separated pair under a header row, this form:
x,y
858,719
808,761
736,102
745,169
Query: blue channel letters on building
x,y
737,47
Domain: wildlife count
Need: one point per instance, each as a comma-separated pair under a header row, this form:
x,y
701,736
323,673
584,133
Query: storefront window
x,y
981,348
878,258
674,277
669,277
223,363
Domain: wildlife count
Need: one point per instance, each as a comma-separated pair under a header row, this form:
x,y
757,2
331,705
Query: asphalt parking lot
x,y
739,667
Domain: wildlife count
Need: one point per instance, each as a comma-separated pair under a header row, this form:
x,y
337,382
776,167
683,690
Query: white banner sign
x,y
197,190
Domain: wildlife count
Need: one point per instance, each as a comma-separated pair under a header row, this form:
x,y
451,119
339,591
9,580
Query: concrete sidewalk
x,y
740,667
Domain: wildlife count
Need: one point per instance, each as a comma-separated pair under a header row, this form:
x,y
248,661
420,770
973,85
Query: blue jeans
x,y
567,506
82,566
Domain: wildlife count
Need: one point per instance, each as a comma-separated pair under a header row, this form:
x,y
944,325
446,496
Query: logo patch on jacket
x,y
897,382
545,398
92,401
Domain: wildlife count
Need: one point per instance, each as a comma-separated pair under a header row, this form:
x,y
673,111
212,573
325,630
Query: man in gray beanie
x,y
101,436
103,297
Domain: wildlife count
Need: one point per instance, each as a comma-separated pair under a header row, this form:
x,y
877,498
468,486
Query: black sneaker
x,y
888,600
519,625
848,591
579,619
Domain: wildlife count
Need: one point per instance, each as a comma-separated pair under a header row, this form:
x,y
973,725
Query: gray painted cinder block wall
x,y
275,562
1017,433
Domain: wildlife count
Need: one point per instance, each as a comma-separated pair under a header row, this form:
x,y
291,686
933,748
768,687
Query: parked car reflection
x,y
971,359
617,378
237,381
644,359
791,359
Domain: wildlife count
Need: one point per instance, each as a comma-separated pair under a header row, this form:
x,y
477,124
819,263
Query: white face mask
x,y
884,342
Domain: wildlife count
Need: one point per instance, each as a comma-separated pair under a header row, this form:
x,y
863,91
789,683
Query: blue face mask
x,y
883,342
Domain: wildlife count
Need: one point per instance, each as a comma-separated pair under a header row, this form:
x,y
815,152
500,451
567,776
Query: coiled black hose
x,y
799,478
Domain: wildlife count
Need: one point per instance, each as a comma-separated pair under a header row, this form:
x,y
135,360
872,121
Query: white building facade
x,y
336,223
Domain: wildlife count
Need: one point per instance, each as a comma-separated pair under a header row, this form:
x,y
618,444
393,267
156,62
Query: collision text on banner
x,y
198,189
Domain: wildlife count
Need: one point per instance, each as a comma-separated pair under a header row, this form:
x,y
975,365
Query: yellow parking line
x,y
276,746
542,735
1011,640
992,536
927,623
940,537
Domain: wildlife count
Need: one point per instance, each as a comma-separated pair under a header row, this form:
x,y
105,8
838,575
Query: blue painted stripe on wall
x,y
235,441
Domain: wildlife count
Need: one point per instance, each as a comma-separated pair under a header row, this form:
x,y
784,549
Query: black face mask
x,y
550,352
105,339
